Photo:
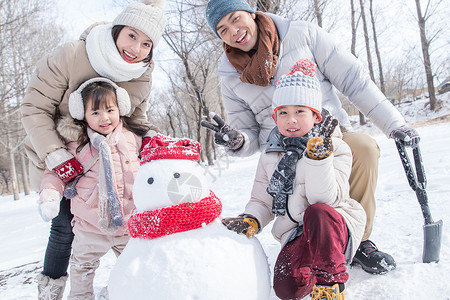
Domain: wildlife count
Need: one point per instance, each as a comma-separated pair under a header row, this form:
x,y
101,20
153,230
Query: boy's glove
x,y
48,204
321,147
224,135
409,137
69,170
246,225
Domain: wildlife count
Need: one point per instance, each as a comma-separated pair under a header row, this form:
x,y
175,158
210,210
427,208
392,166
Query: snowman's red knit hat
x,y
164,147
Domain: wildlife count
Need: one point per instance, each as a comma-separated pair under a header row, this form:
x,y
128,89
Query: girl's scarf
x,y
177,218
110,209
257,67
105,57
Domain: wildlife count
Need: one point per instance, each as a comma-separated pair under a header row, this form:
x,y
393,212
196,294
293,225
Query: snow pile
x,y
207,263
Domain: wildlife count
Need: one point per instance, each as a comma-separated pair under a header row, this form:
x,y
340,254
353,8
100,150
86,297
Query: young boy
x,y
302,180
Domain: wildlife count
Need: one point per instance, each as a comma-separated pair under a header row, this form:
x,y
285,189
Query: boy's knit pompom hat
x,y
217,9
76,103
147,16
299,87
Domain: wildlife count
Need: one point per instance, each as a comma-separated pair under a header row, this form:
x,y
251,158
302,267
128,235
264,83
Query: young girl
x,y
302,180
121,51
108,148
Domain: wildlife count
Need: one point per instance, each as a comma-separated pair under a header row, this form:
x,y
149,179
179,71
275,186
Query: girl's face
x,y
133,45
238,29
295,120
104,119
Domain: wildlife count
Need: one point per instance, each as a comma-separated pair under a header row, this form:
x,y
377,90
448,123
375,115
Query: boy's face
x,y
295,120
238,29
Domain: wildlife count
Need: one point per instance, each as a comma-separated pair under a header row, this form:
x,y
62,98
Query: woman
x,y
121,51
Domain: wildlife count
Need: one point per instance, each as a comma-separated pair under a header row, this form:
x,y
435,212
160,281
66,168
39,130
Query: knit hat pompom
x,y
217,9
164,147
147,16
76,104
305,66
299,87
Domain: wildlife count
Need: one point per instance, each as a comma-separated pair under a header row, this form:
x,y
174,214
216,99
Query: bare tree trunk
x,y
354,27
426,55
172,126
25,177
318,13
12,171
362,119
377,51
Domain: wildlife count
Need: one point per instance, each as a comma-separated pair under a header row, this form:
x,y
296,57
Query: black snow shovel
x,y
432,231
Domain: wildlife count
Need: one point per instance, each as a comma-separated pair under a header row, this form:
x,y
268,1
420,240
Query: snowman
x,y
178,247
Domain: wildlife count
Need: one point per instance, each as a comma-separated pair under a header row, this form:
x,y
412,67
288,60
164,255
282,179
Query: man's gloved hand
x,y
49,204
224,135
68,170
321,146
246,225
409,137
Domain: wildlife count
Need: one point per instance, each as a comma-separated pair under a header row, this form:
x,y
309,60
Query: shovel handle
x,y
418,183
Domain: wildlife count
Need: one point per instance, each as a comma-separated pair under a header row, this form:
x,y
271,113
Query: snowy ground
x,y
397,229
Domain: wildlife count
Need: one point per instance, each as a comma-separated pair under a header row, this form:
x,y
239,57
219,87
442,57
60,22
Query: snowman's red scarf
x,y
177,218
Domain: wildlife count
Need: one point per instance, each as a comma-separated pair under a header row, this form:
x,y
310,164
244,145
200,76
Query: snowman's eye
x,y
150,180
176,175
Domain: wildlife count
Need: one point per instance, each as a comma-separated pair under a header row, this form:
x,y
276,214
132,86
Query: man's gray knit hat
x,y
147,16
217,9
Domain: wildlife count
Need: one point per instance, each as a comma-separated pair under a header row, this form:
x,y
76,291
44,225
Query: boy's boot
x,y
324,292
49,288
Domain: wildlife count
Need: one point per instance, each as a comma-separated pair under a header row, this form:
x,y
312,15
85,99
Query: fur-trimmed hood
x,y
68,129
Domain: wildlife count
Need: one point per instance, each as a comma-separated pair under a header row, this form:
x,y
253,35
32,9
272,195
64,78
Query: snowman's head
x,y
169,174
167,182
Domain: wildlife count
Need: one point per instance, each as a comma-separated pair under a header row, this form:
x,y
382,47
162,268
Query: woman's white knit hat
x,y
147,16
76,104
299,87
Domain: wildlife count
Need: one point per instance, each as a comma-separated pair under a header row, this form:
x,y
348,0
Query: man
x,y
259,48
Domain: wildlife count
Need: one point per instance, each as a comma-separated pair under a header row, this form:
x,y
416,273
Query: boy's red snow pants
x,y
316,256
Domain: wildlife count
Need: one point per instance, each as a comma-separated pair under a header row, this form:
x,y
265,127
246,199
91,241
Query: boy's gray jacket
x,y
310,179
249,107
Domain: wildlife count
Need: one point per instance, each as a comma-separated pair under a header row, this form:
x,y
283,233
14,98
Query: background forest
x,y
403,43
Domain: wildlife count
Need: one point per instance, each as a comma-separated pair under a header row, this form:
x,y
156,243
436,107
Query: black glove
x,y
224,135
321,146
246,225
409,137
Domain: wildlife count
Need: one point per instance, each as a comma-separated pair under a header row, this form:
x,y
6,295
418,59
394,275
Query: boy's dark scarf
x,y
257,66
281,183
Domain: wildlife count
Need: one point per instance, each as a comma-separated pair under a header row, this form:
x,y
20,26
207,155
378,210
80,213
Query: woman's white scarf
x,y
110,209
105,58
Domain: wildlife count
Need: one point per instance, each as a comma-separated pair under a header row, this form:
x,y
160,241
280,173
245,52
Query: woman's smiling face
x,y
133,45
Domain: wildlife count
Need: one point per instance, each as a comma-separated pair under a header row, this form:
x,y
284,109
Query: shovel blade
x,y
432,241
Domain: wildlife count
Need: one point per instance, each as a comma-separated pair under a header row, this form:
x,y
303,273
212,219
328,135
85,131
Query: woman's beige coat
x,y
56,76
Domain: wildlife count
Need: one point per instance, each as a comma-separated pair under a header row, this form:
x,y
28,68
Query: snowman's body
x,y
206,263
